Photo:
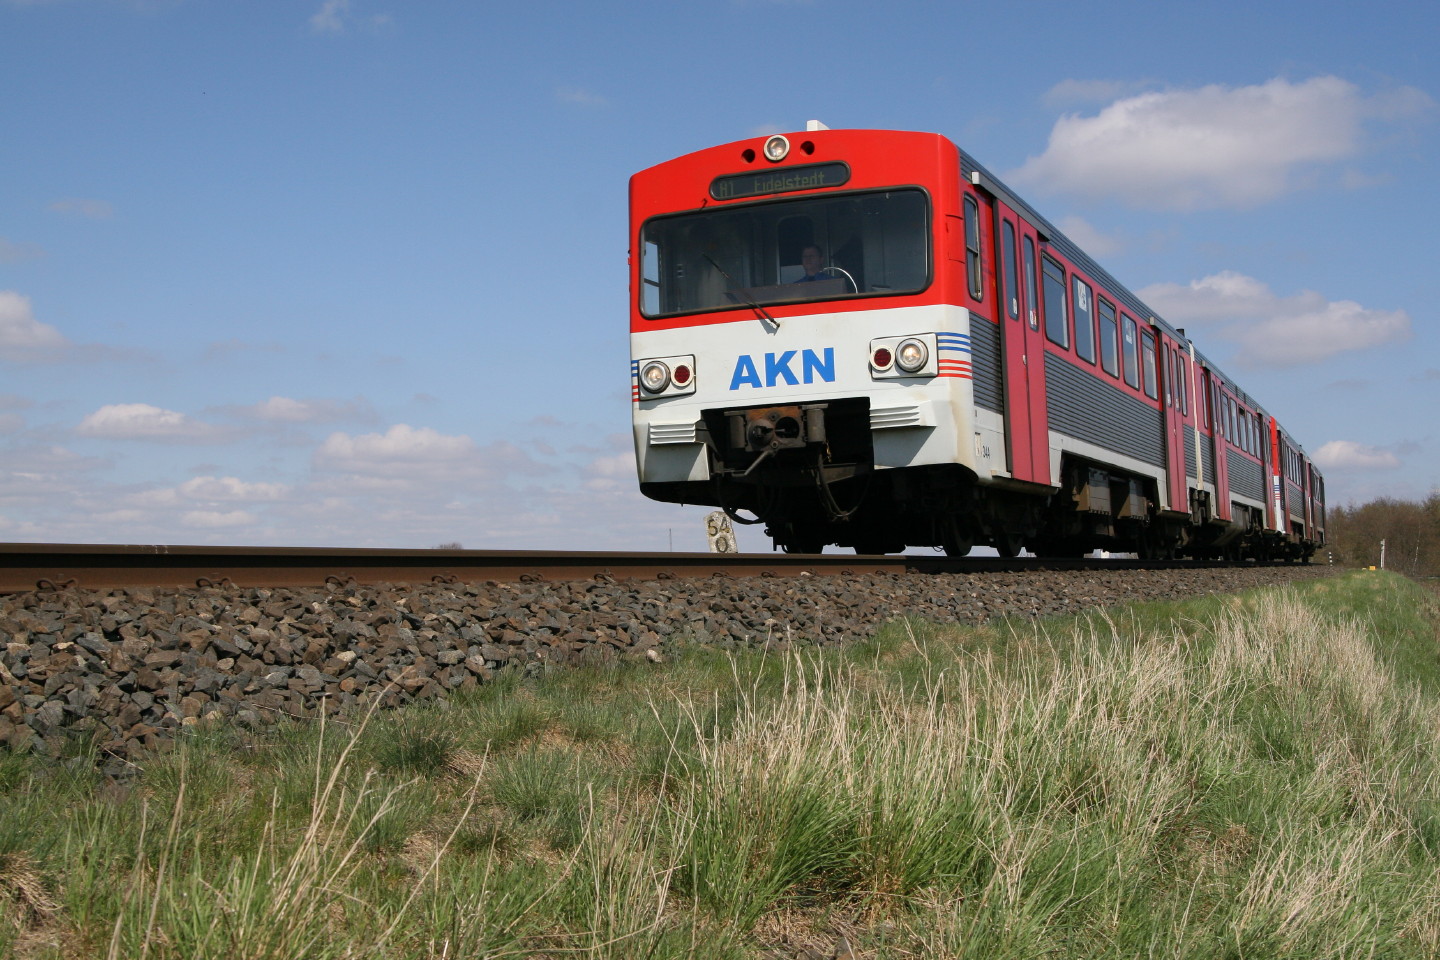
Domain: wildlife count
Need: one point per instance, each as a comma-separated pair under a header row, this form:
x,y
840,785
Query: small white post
x,y
720,533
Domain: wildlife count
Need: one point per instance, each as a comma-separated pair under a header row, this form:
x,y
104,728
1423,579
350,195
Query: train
x,y
863,338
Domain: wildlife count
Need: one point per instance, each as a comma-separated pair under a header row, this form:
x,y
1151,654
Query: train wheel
x,y
956,547
957,541
1008,544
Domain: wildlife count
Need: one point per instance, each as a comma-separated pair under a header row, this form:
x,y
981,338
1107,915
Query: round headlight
x,y
777,148
911,355
655,377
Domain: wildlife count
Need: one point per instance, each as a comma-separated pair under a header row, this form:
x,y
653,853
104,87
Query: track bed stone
x,y
130,669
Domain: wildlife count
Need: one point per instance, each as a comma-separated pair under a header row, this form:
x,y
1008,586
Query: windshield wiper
x,y
744,299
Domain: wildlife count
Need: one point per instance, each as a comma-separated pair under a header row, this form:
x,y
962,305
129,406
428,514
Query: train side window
x,y
1084,321
1109,339
1057,330
1182,383
1030,282
1132,351
1012,283
1171,378
972,248
1148,362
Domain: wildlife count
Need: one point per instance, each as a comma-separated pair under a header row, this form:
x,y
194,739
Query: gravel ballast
x,y
129,669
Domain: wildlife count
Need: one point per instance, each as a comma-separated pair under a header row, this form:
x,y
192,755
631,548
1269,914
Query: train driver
x,y
814,263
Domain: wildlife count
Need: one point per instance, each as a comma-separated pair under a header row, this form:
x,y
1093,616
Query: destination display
x,y
737,185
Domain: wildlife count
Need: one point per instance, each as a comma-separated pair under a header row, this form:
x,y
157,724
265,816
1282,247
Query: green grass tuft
x,y
1249,776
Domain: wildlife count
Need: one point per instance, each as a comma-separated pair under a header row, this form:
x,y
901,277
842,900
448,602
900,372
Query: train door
x,y
1173,411
1277,479
1027,423
1217,447
1309,495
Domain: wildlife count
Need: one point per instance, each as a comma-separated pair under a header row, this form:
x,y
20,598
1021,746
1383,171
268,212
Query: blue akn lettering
x,y
779,369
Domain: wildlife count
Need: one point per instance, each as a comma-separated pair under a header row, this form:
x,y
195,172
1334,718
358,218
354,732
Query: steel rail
x,y
50,566
26,566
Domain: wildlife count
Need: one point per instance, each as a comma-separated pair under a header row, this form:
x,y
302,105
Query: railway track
x,y
48,566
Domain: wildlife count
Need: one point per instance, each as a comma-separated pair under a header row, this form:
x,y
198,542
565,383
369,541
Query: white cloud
x,y
612,472
16,252
1092,241
1347,454
402,443
1275,330
334,16
580,96
1215,146
141,421
81,207
231,489
289,410
215,519
22,337
1069,92
330,17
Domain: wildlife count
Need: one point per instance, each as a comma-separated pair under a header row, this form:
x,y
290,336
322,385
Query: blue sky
x,y
352,272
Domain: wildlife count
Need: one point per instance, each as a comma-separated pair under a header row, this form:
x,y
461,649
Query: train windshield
x,y
812,248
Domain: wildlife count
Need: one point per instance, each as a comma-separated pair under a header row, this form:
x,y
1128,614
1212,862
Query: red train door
x,y
1174,419
1027,423
1277,479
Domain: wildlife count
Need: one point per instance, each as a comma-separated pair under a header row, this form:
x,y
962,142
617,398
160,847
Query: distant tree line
x,y
1410,531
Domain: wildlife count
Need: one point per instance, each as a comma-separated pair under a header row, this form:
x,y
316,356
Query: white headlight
x,y
911,355
655,377
777,148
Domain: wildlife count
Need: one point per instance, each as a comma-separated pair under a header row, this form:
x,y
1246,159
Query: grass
x,y
1243,777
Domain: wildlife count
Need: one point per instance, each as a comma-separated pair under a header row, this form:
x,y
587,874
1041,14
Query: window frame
x,y
1028,257
1055,295
1150,363
1082,291
1182,382
1113,367
646,239
1010,269
973,266
1131,350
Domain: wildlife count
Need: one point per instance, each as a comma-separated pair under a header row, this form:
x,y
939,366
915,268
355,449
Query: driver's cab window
x,y
793,236
810,248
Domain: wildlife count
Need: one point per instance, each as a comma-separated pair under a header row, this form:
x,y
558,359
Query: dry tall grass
x,y
1239,778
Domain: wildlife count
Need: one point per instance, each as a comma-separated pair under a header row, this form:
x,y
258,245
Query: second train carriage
x,y
863,338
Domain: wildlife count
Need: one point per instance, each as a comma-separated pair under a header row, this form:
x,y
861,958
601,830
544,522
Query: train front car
x,y
862,338
800,340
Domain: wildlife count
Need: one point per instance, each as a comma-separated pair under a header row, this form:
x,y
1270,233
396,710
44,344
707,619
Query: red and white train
x,y
863,338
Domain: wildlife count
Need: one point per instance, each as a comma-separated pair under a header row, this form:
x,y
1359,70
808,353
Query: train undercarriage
x,y
807,473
